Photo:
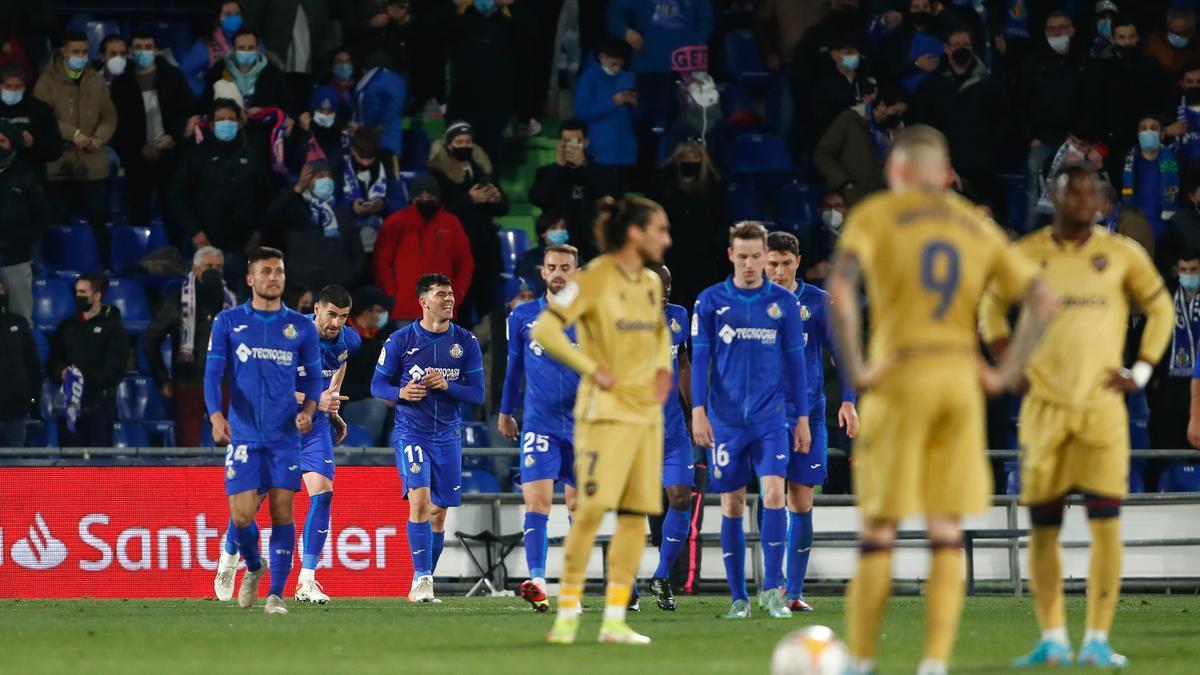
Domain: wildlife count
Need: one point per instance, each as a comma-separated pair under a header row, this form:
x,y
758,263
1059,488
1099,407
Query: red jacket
x,y
408,248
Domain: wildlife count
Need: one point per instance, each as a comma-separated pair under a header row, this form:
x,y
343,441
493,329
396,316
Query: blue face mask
x,y
850,61
225,130
343,71
1149,140
232,23
77,63
1190,282
322,188
1104,28
1177,41
381,320
143,58
558,237
11,97
485,6
246,58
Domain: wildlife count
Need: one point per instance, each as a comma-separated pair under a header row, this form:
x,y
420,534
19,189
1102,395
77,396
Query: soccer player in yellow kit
x,y
1074,431
927,255
624,357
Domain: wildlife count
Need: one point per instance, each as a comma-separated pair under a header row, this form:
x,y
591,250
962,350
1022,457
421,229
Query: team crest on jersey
x,y
773,310
675,327
345,355
456,351
290,332
590,488
805,313
230,473
1100,262
414,468
529,461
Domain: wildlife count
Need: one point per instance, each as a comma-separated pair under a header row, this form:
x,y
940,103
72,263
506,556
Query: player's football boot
x,y
226,575
740,609
799,605
1046,653
663,596
1100,654
635,599
310,591
248,591
422,590
564,630
275,605
775,603
615,631
535,595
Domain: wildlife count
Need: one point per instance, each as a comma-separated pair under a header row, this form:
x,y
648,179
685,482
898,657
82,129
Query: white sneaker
x,y
275,605
422,590
248,591
311,591
226,575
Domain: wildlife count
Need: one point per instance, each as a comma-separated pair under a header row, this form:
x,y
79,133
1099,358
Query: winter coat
x,y
313,259
36,117
487,52
972,112
699,231
846,154
275,19
24,213
221,189
572,193
174,101
167,323
1051,92
99,347
1119,91
22,368
610,126
271,90
381,104
409,247
83,107
665,25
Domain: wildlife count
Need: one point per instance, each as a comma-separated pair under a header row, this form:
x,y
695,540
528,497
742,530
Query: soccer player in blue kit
x,y
748,354
547,440
429,367
806,471
262,345
316,449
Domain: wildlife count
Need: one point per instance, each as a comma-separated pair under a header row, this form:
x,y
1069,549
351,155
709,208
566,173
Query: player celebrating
x,y
262,344
624,358
429,367
316,450
1074,427
806,471
748,342
927,255
678,463
547,450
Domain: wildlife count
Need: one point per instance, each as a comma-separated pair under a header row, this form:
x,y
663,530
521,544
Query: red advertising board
x,y
156,532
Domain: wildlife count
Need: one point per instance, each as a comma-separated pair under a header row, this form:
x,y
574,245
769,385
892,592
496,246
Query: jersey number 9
x,y
940,273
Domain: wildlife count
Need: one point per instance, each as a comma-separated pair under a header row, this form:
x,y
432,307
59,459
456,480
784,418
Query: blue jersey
x,y
408,355
818,335
263,353
748,353
549,385
333,355
677,321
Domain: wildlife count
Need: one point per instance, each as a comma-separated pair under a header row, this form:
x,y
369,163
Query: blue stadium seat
x,y
129,435
53,301
734,99
1180,477
742,61
173,35
356,437
773,114
1136,485
139,401
143,364
762,158
795,203
475,435
128,296
743,202
1016,201
415,150
96,31
50,392
478,481
512,244
131,244
43,345
70,250
1012,472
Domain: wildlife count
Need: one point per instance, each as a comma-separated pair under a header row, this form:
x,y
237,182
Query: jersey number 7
x,y
940,273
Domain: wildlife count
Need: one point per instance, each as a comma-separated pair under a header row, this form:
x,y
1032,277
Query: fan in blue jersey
x,y
547,447
807,471
678,457
429,368
262,345
316,450
748,348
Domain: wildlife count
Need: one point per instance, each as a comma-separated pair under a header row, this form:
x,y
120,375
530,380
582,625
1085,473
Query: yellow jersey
x,y
1086,341
927,258
620,327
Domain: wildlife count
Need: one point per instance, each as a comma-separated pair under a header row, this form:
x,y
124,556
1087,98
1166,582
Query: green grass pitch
x,y
1161,636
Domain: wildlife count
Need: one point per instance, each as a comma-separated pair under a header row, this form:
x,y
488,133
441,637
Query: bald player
x,y
926,256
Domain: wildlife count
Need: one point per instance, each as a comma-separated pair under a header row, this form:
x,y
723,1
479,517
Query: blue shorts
x,y
254,466
741,453
679,462
547,457
811,469
316,450
437,466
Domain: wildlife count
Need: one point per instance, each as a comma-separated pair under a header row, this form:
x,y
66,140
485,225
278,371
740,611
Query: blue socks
x,y
733,548
439,541
535,543
800,541
231,545
247,543
774,539
674,535
316,529
420,544
283,546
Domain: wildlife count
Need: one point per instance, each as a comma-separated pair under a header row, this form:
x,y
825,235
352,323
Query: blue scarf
x,y
1183,342
883,141
1168,169
72,391
322,214
352,190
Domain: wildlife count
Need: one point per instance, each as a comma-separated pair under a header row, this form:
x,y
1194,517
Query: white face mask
x,y
1060,43
324,120
116,65
832,219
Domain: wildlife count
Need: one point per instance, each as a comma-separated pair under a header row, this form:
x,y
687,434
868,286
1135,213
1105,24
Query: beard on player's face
x,y
556,283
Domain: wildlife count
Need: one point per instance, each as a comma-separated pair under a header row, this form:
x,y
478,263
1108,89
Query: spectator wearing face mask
x,y
1175,46
114,58
842,83
369,317
846,18
1169,391
423,238
153,105
822,238
572,185
260,83
1183,230
1150,179
1187,124
1106,12
551,230
907,54
87,121
186,318
368,184
22,374
850,154
340,83
32,120
605,100
211,47
24,215
298,297
379,101
320,126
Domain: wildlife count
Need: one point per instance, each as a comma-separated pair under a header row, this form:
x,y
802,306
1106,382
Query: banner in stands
x,y
156,532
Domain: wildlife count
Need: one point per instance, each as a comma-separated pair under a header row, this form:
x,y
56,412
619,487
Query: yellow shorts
x,y
922,445
618,466
1065,449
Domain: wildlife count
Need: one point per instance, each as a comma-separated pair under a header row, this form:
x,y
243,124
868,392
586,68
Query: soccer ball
x,y
814,650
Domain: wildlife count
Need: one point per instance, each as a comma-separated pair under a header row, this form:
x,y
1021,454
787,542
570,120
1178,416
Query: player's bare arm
x,y
802,438
848,418
702,432
221,432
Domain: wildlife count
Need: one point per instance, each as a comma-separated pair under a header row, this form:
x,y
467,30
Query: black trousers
x,y
93,427
89,197
144,181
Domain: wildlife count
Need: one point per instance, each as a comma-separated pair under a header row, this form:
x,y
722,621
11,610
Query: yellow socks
x,y
1104,573
866,600
944,599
